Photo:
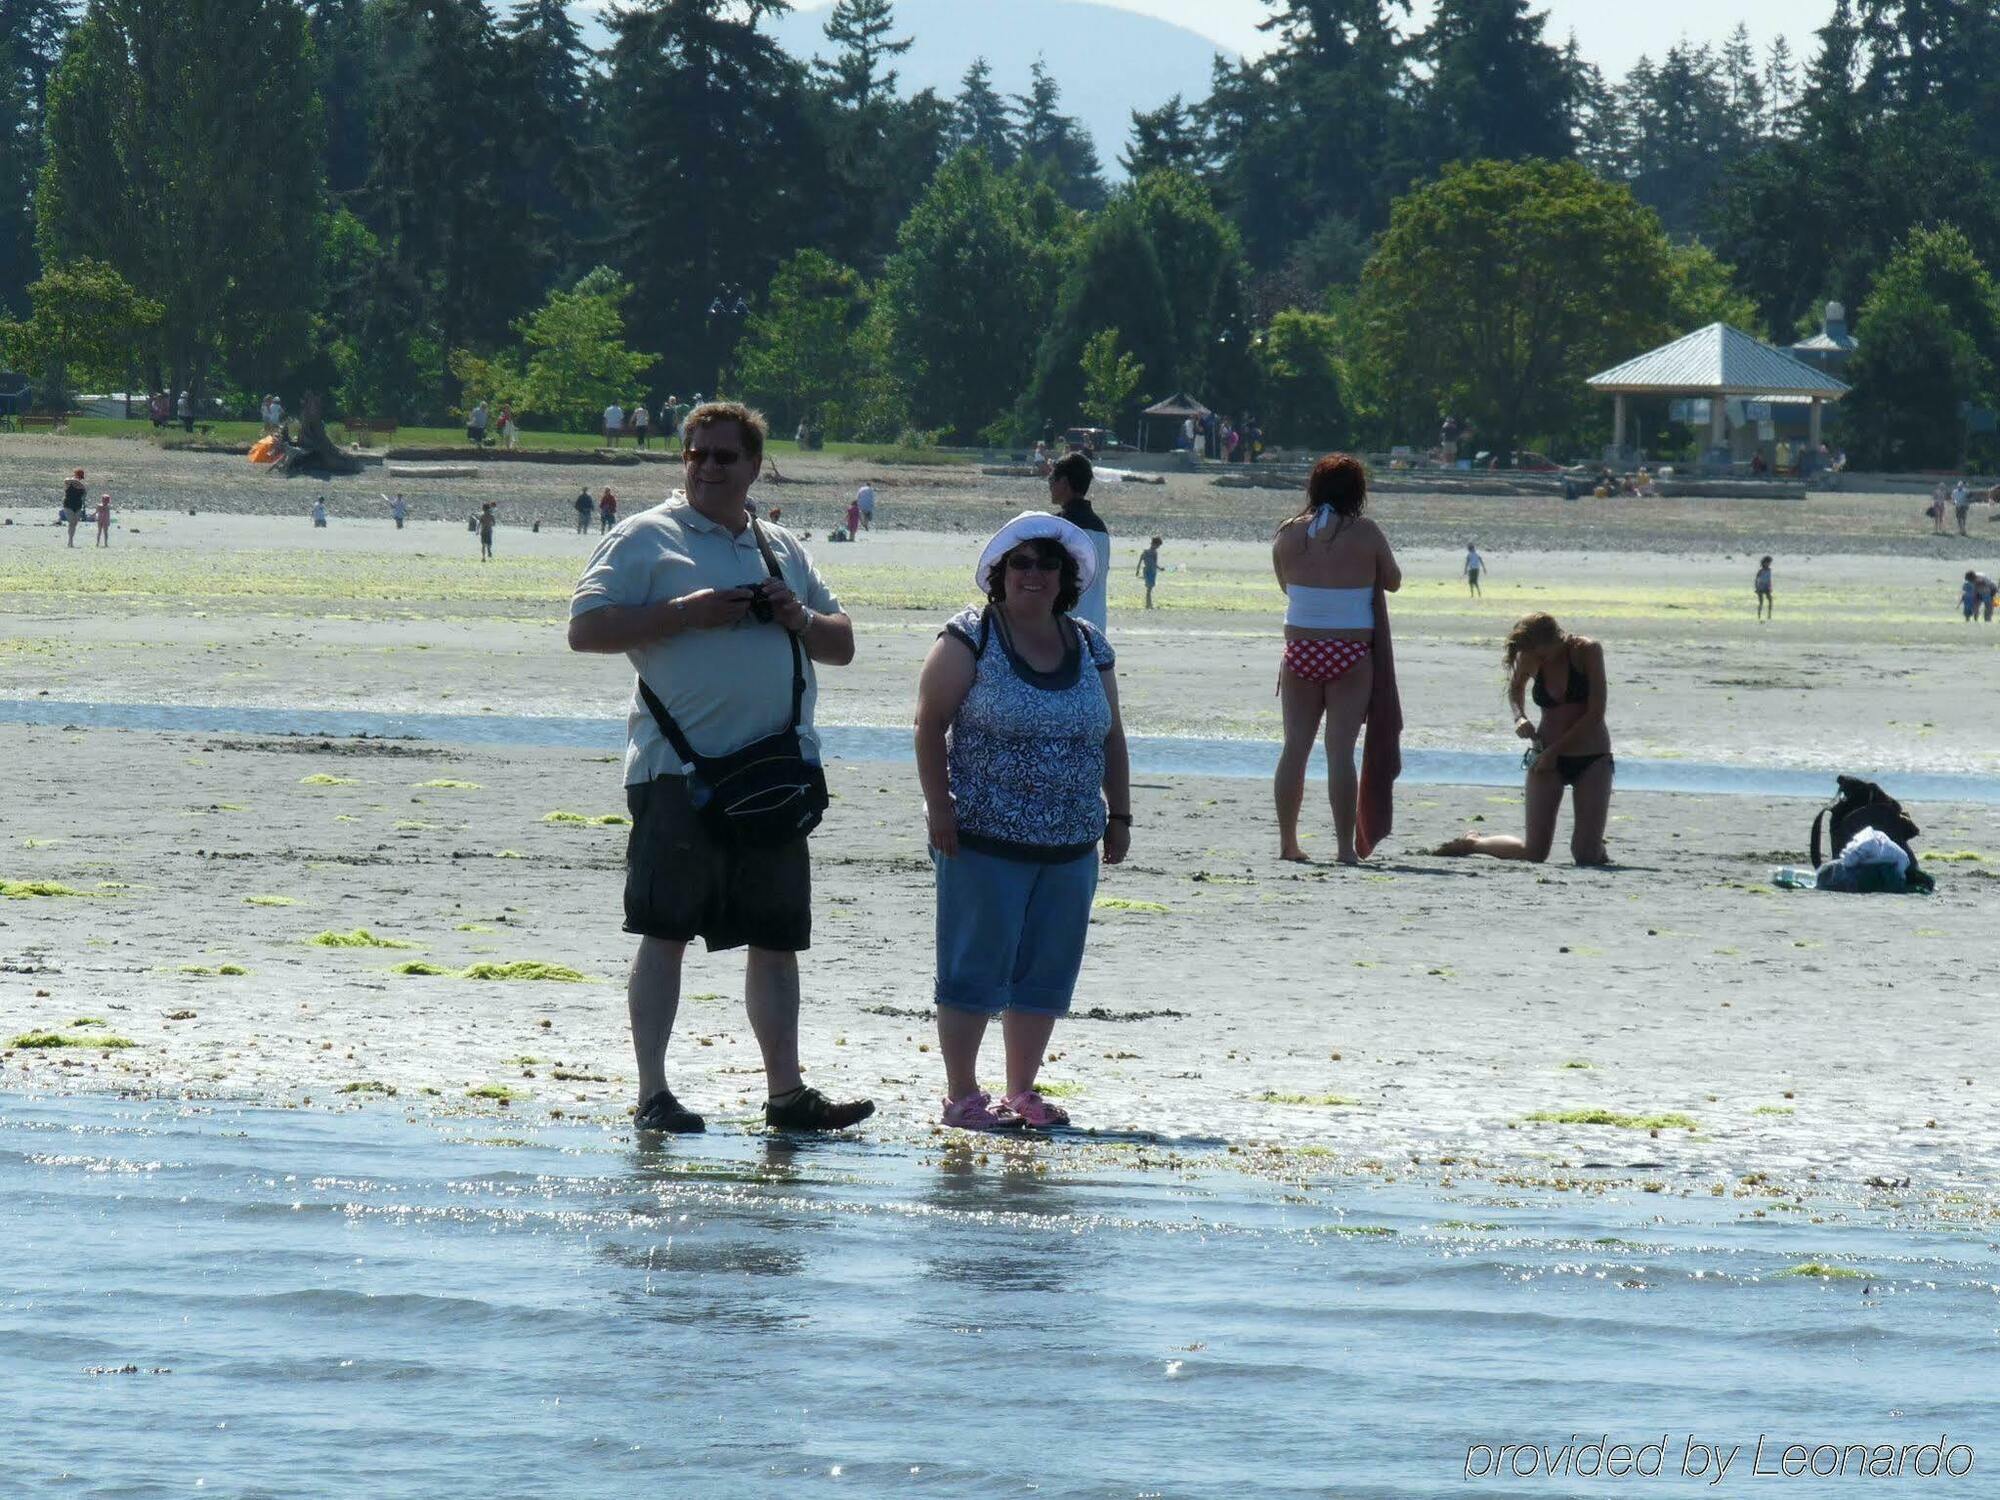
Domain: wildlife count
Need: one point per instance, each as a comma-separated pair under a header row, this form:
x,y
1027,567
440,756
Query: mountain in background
x,y
1109,62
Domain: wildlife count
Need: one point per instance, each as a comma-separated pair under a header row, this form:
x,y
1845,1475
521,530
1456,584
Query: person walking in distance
x,y
1149,568
584,506
72,503
1474,566
1761,585
864,498
723,620
486,519
1069,494
642,422
607,511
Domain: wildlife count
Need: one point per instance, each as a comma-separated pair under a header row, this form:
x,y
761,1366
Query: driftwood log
x,y
312,451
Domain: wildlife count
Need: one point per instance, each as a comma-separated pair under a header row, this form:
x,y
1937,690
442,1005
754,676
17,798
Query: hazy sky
x,y
1612,33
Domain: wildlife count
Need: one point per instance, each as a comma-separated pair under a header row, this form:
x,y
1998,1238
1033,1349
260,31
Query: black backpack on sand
x,y
1862,804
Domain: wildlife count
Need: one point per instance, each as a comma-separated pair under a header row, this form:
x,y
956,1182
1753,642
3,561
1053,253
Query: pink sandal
x,y
975,1112
1034,1111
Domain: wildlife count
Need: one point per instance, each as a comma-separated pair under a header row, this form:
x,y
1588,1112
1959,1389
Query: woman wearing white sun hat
x,y
1021,754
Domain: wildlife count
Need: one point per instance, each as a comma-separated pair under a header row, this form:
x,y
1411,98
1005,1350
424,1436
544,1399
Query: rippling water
x,y
244,1302
1157,755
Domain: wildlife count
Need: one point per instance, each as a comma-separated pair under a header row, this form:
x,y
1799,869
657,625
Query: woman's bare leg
x,y
1544,800
1346,711
1304,703
1590,811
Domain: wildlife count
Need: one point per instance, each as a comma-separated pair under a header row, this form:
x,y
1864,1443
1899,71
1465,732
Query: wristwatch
x,y
806,629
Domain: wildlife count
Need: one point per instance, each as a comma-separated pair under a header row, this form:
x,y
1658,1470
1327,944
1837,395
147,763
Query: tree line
x,y
409,203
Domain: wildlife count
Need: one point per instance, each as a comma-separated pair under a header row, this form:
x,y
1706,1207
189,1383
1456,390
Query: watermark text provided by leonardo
x,y
1694,1458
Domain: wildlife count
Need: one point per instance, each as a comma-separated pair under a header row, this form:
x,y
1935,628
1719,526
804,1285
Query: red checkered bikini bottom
x,y
1324,661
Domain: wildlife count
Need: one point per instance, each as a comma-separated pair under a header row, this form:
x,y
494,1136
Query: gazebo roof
x,y
1718,361
1180,404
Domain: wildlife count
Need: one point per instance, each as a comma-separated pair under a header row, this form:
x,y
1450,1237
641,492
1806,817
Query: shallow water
x,y
362,1304
1151,755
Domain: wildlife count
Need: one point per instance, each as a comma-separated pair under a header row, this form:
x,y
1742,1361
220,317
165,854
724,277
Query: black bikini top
x,y
1578,691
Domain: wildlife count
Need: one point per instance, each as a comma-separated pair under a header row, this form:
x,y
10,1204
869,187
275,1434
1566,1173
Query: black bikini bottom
x,y
1571,768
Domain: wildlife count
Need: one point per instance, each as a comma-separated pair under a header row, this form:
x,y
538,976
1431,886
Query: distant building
x,y
1832,347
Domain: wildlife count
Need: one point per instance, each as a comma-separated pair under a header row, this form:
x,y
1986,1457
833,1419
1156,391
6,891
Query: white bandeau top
x,y
1309,608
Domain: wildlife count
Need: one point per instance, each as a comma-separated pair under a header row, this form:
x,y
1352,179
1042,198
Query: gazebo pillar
x,y
1817,412
1718,420
1618,422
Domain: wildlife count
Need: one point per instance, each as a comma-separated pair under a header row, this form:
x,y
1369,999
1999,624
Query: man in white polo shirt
x,y
614,423
673,589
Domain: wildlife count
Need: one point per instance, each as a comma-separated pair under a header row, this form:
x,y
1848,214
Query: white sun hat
x,y
1035,526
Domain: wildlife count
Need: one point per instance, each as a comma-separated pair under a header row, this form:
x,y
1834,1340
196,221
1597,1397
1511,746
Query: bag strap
x,y
666,720
1819,821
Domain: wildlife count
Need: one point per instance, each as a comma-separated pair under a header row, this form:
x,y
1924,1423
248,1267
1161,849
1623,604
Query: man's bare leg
x,y
653,996
771,997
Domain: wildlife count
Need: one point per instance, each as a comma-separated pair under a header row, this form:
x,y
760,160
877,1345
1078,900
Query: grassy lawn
x,y
454,437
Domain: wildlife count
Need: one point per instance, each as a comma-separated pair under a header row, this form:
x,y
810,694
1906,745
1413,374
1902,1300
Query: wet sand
x,y
1417,1008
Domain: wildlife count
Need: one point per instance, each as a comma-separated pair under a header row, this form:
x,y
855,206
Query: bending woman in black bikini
x,y
1571,747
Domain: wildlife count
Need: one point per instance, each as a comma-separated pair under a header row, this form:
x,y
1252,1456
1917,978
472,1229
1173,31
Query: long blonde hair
x,y
1536,632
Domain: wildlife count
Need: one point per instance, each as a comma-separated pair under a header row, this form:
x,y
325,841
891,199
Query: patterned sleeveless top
x,y
1026,748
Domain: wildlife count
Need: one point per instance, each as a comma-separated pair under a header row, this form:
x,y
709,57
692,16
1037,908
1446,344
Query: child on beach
x,y
104,520
1149,568
1968,595
72,503
319,511
1762,585
1474,566
486,531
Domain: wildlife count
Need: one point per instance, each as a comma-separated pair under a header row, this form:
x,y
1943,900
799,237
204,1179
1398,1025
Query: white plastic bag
x,y
1871,846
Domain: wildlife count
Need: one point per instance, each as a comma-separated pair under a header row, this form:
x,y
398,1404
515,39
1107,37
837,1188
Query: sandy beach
x,y
1408,1017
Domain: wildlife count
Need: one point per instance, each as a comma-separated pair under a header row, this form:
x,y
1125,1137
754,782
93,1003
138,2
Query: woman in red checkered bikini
x,y
1330,560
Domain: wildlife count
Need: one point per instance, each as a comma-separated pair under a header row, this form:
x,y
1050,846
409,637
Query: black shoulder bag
x,y
766,794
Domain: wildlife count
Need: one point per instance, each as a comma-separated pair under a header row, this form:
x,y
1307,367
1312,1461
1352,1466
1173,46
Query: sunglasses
x,y
1020,563
723,456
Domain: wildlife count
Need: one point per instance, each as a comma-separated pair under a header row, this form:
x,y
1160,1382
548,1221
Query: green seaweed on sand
x,y
525,968
495,1091
412,825
223,970
1126,904
22,890
367,1086
361,937
517,969
36,1041
1368,1231
1611,1117
1324,1100
270,901
35,843
1774,1109
447,784
320,778
1579,1063
81,1021
590,820
1954,857
474,927
1060,1090
508,854
1824,1272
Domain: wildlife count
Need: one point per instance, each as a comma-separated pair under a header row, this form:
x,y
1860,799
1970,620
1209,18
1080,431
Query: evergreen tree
x,y
1748,106
858,76
1496,89
1054,147
1114,280
225,241
881,150
17,184
559,161
347,68
1164,140
709,122
443,192
32,35
1322,124
983,122
1781,86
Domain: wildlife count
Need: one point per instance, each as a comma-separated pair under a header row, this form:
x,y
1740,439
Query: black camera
x,y
761,609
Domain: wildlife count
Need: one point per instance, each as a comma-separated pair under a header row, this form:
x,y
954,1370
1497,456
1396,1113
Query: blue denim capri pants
x,y
1010,932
